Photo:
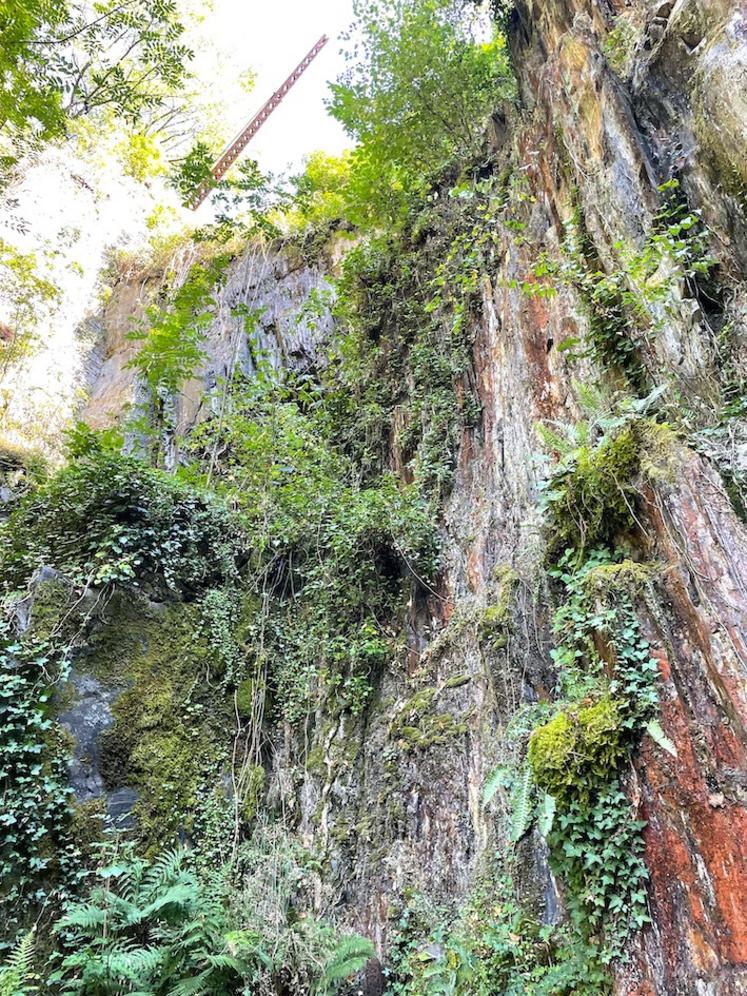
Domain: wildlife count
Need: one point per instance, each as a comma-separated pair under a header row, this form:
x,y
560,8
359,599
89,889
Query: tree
x,y
60,60
416,95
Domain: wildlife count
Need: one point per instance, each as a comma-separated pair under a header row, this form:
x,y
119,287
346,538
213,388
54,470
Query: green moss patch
x,y
592,501
172,729
577,749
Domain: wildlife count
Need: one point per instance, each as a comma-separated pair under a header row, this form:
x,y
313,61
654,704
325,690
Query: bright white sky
x,y
271,37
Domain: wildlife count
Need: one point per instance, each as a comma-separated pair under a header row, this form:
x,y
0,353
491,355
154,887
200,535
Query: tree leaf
x,y
654,730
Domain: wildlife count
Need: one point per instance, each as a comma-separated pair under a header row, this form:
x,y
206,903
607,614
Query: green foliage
x,y
415,96
578,756
17,975
329,556
109,519
591,491
24,293
244,200
266,900
151,927
619,46
320,194
63,59
173,334
598,600
36,855
635,297
167,928
493,946
577,749
406,306
591,494
347,958
194,172
597,849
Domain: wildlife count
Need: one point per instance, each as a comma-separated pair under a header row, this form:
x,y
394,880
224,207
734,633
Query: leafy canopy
x,y
416,94
61,60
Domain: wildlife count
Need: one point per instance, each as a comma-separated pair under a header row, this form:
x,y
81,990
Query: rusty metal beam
x,y
236,147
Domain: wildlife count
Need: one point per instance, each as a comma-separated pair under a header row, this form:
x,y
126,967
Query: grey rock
x,y
86,719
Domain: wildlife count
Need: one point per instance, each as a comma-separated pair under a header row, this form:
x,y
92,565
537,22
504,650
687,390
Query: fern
x,y
350,956
562,442
521,803
85,917
167,868
17,975
499,778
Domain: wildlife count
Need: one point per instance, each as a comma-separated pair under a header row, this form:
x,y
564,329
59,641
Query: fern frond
x,y
178,897
85,916
521,803
499,778
166,869
16,975
350,956
563,440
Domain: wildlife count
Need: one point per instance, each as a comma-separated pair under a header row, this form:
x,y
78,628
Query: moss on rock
x,y
496,618
577,749
171,733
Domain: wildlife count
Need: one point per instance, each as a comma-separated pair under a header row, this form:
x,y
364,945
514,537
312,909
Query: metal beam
x,y
236,147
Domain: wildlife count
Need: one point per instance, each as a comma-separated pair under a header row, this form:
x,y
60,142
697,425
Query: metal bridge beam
x,y
237,146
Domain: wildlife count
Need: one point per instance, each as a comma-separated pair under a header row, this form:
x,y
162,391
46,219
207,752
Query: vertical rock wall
x,y
615,99
401,809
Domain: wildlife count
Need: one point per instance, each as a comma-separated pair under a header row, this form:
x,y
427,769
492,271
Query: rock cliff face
x,y
616,99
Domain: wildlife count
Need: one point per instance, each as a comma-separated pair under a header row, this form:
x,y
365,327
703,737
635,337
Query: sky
x,y
271,38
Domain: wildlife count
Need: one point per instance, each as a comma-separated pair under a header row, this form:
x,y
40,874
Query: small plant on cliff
x,y
632,300
590,493
173,332
576,748
492,946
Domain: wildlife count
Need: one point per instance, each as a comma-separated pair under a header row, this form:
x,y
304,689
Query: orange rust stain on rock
x,y
447,610
703,956
645,989
535,344
475,573
721,835
665,669
729,752
698,866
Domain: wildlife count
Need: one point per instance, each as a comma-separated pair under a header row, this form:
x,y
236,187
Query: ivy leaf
x,y
546,816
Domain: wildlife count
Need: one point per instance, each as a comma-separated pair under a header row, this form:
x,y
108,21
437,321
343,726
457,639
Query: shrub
x,y
108,518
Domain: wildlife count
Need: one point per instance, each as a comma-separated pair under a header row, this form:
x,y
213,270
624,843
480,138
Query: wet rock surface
x,y
86,719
